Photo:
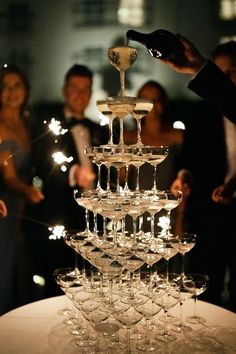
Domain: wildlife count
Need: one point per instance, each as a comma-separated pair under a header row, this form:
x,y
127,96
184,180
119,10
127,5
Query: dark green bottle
x,y
160,43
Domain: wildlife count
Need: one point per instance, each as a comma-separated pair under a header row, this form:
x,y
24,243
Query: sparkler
x,y
59,158
57,232
55,127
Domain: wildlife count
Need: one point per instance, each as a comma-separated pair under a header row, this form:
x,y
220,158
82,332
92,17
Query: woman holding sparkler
x,y
15,188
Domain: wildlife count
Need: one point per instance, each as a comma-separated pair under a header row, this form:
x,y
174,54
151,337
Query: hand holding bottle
x,y
191,60
173,49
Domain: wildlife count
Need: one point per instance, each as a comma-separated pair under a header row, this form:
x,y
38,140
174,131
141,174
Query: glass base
x,y
169,318
166,337
180,327
195,319
136,300
147,347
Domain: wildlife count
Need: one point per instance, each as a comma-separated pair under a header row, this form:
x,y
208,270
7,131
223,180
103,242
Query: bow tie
x,y
73,122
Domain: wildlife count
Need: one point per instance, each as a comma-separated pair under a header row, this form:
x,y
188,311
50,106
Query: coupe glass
x,y
171,202
158,154
102,106
183,243
122,58
196,284
128,319
148,309
142,108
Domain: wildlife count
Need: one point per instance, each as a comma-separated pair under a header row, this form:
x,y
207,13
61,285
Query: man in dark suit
x,y
208,79
59,205
210,155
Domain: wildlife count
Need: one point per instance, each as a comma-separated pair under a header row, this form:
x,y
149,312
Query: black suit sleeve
x,y
216,88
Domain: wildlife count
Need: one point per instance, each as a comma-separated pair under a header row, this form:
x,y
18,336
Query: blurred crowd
x,y
36,192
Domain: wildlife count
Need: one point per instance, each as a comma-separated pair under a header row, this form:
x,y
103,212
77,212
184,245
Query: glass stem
x,y
154,188
104,228
99,178
95,230
87,219
134,229
126,187
152,225
110,142
121,142
77,272
118,180
108,178
131,285
182,267
122,82
139,140
137,179
167,271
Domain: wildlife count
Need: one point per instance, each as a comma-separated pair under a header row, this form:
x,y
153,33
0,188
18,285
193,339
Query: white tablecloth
x,y
37,328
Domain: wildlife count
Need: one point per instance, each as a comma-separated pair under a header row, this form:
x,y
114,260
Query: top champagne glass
x,y
122,58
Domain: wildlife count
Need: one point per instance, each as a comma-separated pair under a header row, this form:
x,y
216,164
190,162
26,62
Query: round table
x,y
37,328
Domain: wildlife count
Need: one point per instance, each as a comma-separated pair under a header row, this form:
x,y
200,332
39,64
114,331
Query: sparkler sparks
x,y
57,232
59,158
55,127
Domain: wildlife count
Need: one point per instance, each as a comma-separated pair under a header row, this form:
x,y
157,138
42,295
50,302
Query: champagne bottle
x,y
160,43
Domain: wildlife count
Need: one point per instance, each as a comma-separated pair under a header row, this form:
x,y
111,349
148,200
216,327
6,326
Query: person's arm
x,y
216,88
224,193
207,81
30,193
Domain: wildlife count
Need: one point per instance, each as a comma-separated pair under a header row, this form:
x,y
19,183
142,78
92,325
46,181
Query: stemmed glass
x,y
155,205
132,264
122,58
168,300
148,309
184,295
102,106
183,243
138,158
196,284
128,319
69,282
94,154
171,202
142,108
158,154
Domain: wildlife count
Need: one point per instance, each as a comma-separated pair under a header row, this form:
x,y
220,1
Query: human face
x,y
77,92
228,65
13,92
153,94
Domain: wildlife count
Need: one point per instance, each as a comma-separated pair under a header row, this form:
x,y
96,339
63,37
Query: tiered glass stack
x,y
114,296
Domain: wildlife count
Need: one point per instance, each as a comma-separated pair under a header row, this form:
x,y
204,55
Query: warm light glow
x,y
131,12
164,223
103,119
179,125
55,127
39,280
58,231
227,9
59,158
